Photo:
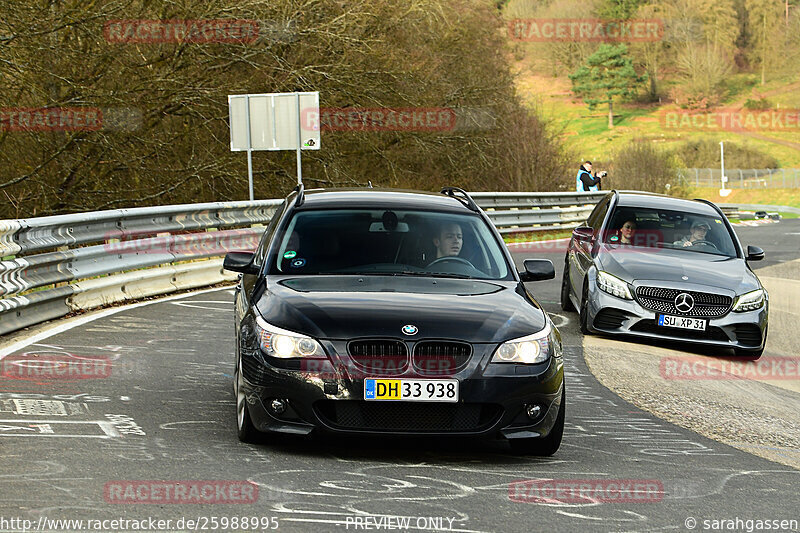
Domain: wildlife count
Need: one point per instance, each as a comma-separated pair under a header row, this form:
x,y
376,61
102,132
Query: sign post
x,y
724,191
274,121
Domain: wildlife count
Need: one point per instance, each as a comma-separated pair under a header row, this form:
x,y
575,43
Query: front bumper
x,y
610,315
330,399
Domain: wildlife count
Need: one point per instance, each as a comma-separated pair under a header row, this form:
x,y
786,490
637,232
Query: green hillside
x,y
727,58
587,135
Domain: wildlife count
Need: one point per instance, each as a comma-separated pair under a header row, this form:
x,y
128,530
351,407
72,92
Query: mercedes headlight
x,y
749,301
536,348
613,285
284,344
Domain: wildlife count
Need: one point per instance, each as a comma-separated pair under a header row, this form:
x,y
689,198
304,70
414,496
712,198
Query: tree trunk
x,y
653,88
764,48
610,114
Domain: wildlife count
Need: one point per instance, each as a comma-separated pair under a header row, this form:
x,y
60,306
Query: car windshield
x,y
389,242
663,228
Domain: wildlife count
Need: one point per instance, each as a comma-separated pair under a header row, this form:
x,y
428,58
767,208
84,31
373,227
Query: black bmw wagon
x,y
367,311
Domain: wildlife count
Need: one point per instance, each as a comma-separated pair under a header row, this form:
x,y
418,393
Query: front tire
x,y
584,312
245,429
546,446
566,303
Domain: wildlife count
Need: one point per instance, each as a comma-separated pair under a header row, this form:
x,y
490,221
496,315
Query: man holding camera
x,y
585,181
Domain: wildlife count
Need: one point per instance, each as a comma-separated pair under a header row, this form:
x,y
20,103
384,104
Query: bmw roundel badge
x,y
410,329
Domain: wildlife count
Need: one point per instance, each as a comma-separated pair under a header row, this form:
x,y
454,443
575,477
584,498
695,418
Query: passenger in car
x,y
449,240
626,232
697,233
623,234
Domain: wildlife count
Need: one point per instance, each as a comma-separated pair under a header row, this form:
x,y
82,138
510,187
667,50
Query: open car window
x,y
662,228
389,242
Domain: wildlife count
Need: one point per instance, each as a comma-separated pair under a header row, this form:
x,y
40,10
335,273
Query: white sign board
x,y
273,121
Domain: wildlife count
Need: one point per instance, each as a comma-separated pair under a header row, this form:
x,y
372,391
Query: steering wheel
x,y
450,258
703,241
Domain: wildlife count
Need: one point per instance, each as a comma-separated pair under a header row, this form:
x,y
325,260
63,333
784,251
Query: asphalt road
x,y
160,406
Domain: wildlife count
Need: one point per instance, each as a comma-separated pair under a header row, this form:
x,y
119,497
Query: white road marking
x,y
85,320
228,306
562,322
46,428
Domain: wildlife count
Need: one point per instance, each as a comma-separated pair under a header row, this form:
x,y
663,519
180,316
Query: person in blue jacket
x,y
585,181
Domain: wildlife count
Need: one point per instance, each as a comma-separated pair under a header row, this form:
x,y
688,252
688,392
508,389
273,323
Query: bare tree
x,y
168,140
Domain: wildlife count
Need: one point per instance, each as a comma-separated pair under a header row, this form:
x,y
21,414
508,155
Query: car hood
x,y
346,307
677,266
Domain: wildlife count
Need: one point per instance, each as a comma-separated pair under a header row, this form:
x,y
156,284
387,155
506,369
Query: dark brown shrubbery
x,y
706,154
641,166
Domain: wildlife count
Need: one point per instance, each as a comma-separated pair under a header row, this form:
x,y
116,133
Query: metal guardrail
x,y
742,178
519,212
54,266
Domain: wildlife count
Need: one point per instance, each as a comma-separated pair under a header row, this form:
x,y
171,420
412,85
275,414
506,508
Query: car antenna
x,y
300,195
462,196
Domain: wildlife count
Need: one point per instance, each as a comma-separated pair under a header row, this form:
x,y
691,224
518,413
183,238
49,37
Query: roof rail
x,y
462,196
300,195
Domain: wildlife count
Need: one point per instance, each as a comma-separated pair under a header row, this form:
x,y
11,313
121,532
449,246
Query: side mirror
x,y
537,270
583,233
240,262
754,253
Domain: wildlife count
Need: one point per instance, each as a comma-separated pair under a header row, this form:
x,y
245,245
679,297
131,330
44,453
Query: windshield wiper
x,y
435,274
394,273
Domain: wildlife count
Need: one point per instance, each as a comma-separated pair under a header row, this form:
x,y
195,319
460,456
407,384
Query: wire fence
x,y
742,178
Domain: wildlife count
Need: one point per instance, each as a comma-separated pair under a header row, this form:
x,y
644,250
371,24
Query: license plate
x,y
411,390
682,322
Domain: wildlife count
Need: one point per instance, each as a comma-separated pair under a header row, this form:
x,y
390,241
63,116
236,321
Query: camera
x,y
602,174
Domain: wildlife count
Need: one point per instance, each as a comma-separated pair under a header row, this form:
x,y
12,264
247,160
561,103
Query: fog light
x,y
533,410
277,407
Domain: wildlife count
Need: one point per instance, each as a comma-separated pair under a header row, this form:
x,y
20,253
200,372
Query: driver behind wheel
x,y
697,233
449,240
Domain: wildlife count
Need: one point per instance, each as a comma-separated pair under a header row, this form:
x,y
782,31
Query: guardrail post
x,y
697,177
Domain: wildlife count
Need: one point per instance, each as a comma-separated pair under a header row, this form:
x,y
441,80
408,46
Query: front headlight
x,y
536,348
613,285
277,342
749,301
